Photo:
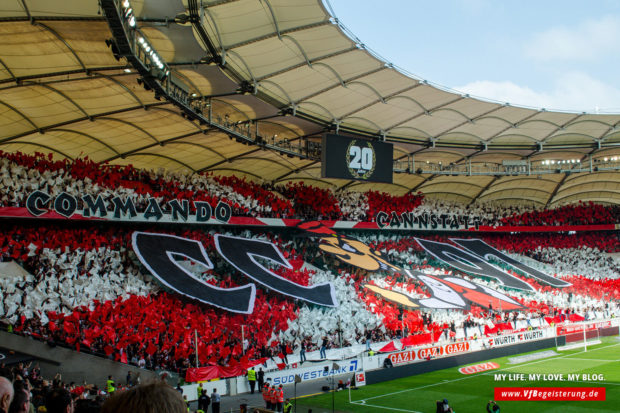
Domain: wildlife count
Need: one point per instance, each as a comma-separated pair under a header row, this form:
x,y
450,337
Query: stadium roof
x,y
288,70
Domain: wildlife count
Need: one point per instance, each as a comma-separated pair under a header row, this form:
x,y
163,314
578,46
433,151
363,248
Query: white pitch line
x,y
386,408
555,358
609,361
476,375
418,388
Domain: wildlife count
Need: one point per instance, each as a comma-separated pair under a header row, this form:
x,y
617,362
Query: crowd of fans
x,y
21,174
86,289
24,390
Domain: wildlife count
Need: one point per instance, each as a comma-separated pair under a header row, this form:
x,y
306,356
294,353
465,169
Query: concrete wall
x,y
72,365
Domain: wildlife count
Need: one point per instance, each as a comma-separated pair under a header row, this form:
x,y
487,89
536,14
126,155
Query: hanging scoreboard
x,y
345,157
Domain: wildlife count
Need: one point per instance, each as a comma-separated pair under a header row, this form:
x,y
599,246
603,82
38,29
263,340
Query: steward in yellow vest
x,y
110,385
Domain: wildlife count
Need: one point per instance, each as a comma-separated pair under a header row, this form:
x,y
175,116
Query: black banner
x,y
157,252
117,208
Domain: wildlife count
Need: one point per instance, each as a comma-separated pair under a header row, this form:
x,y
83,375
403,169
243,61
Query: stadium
x,y
238,199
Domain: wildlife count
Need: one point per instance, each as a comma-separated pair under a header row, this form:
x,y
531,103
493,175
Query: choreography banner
x,y
411,220
65,205
158,251
159,254
445,292
40,204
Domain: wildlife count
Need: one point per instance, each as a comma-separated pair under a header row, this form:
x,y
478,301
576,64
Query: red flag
x,y
151,349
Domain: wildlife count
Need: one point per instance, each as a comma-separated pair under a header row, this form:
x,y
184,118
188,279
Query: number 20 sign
x,y
361,160
345,157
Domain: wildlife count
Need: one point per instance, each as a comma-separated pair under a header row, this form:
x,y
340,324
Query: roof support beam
x,y
425,180
123,86
38,145
555,190
278,34
238,170
558,128
605,191
133,151
510,198
270,160
133,125
381,100
192,8
345,186
158,155
26,118
472,120
490,138
345,81
26,10
59,37
52,18
206,168
42,129
58,92
13,78
297,66
295,171
310,179
427,112
486,187
18,80
86,135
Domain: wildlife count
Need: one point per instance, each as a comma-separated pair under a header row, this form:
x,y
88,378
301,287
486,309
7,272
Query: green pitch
x,y
470,393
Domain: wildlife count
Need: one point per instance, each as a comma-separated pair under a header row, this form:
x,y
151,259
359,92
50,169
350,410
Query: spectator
x,y
88,405
302,351
204,401
492,407
443,406
324,343
6,394
59,401
155,397
21,402
215,401
261,379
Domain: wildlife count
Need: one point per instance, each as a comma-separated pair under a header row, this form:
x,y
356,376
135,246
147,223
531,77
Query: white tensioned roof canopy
x,y
62,90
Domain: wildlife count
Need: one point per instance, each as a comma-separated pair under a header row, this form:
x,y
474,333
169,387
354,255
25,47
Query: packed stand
x,y
85,284
85,288
23,390
21,174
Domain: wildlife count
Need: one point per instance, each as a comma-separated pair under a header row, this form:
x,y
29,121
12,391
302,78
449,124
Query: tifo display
x,y
99,287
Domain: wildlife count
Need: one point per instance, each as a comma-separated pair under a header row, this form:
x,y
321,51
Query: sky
x,y
557,55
